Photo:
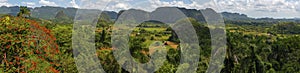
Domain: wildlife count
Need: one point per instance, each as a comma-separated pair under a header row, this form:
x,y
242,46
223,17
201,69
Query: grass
x,y
156,29
152,31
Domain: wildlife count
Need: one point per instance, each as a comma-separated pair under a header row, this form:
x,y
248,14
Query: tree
x,y
103,20
27,46
24,12
63,34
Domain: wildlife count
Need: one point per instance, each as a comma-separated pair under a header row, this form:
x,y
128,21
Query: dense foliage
x,y
253,46
27,47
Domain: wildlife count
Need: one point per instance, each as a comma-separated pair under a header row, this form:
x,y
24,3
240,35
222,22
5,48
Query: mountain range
x,y
48,12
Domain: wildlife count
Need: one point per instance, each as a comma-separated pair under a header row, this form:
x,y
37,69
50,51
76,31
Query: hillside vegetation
x,y
31,44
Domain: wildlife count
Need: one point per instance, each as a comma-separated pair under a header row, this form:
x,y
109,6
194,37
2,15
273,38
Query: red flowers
x,y
28,43
8,46
54,70
33,37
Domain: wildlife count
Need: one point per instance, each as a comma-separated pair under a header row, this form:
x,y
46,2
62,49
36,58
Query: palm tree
x,y
24,12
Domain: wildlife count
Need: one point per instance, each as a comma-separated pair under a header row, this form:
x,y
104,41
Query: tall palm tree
x,y
24,12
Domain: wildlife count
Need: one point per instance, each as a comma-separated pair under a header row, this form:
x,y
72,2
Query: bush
x,y
27,47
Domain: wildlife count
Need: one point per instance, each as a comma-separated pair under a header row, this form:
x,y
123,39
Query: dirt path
x,y
172,44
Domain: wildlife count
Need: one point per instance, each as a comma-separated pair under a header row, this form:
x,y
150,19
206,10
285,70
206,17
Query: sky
x,y
252,8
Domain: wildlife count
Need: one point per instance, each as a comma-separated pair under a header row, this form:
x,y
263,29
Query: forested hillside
x,y
40,40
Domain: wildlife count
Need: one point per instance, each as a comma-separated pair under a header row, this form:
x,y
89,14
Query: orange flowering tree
x,y
25,46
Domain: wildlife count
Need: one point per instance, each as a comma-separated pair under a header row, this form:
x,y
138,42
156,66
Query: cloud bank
x,y
47,3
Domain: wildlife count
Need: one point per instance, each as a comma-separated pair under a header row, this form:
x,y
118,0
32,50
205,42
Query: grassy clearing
x,y
151,35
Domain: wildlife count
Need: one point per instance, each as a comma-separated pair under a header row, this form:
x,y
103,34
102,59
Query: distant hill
x,y
193,13
235,16
113,15
160,12
10,10
49,12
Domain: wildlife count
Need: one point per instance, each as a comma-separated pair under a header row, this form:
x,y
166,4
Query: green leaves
x,y
26,46
24,12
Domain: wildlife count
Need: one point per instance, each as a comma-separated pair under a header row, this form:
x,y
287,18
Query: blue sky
x,y
253,8
38,3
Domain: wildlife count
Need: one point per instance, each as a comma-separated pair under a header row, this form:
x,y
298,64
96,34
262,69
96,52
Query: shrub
x,y
26,46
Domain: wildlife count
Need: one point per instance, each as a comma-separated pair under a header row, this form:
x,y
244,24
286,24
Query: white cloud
x,y
148,5
112,5
297,6
244,5
195,4
4,3
93,4
73,4
29,4
47,3
3,0
261,8
121,6
253,8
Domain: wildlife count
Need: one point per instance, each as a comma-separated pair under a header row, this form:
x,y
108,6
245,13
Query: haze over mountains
x,y
48,12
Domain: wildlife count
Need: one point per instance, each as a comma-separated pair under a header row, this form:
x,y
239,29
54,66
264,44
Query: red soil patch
x,y
172,44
